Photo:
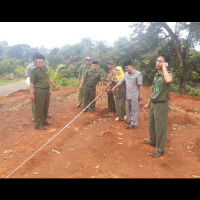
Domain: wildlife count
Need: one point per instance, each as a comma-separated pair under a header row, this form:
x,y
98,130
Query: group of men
x,y
89,77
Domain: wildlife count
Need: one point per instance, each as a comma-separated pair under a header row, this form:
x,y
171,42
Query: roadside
x,y
5,90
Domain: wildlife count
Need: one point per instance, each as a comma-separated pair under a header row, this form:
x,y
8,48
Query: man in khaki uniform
x,y
81,72
90,80
40,93
111,101
158,106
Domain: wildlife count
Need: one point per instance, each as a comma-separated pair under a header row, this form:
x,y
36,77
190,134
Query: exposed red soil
x,y
95,146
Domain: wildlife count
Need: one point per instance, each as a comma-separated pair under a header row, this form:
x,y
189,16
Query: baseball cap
x,y
87,58
111,62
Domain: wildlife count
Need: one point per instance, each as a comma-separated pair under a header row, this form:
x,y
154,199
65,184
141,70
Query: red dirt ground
x,y
95,146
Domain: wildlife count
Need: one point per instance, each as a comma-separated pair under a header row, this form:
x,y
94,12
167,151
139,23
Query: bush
x,y
175,88
20,71
192,91
67,82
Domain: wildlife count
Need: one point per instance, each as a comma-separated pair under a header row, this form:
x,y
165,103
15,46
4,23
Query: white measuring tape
x,y
53,136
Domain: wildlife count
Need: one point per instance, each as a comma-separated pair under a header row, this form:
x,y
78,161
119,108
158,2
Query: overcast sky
x,y
58,34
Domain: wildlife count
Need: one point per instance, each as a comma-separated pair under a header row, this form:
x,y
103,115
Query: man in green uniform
x,y
40,93
158,103
90,80
111,101
81,72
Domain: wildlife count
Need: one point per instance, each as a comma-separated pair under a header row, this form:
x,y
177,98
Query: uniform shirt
x,y
82,70
28,69
120,91
160,89
133,80
91,78
111,76
39,77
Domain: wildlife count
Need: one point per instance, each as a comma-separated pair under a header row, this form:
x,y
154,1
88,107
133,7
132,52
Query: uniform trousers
x,y
80,95
158,120
41,106
111,103
89,95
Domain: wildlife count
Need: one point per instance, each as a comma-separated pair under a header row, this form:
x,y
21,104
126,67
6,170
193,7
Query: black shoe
x,y
148,142
92,110
40,128
156,154
85,110
130,126
47,123
128,122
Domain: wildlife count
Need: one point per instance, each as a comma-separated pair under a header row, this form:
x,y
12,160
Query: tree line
x,y
147,40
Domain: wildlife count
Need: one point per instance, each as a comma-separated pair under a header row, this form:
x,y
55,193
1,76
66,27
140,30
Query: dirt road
x,y
5,90
95,146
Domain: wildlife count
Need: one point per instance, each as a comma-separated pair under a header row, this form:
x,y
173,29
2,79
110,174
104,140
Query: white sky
x,y
58,34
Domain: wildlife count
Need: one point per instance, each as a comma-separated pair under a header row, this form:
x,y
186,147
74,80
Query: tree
x,y
151,35
19,51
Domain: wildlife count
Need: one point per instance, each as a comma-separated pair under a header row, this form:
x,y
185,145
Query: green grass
x,y
5,82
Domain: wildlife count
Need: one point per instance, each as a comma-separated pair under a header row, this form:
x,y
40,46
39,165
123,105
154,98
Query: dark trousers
x,y
89,95
111,103
41,106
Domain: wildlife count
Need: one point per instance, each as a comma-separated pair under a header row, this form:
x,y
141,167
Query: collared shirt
x,y
28,69
160,89
111,76
133,80
39,77
91,78
82,70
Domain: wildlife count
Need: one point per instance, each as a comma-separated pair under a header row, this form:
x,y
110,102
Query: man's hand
x,y
146,107
113,90
164,65
32,97
80,87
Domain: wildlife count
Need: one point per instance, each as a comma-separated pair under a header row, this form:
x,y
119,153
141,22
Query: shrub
x,y
67,82
20,71
192,91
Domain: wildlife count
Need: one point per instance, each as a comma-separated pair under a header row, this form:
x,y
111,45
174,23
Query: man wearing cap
x,y
110,82
133,80
90,79
81,72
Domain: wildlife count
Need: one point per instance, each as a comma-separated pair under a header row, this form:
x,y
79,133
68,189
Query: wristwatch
x,y
165,68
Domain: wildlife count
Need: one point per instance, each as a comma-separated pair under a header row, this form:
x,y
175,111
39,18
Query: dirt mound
x,y
95,146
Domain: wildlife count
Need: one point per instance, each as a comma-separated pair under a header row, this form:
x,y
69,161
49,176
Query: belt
x,y
158,101
46,88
